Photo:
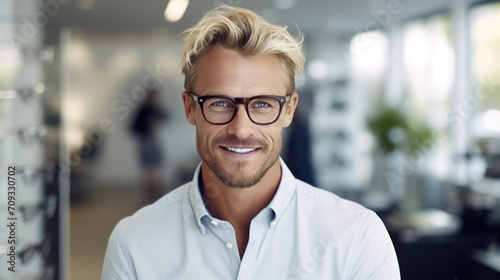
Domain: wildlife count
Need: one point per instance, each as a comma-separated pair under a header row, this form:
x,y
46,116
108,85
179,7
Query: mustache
x,y
232,140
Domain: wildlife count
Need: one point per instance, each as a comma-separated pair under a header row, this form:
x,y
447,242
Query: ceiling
x,y
313,16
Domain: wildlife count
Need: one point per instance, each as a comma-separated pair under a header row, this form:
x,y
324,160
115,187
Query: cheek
x,y
206,134
274,134
201,133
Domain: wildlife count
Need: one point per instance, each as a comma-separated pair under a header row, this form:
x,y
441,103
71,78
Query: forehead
x,y
225,71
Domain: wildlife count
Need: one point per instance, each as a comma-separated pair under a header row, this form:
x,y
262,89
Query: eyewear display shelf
x,y
30,231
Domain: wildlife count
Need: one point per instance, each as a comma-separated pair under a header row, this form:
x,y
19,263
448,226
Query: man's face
x,y
239,153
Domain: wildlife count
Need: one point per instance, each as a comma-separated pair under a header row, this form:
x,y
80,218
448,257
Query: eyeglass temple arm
x,y
194,96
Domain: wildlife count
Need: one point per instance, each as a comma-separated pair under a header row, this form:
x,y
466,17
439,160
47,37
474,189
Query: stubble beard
x,y
238,178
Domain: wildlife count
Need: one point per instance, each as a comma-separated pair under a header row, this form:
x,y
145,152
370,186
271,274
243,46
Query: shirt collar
x,y
196,200
284,194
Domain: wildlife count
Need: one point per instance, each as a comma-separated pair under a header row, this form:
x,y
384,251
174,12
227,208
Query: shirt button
x,y
229,245
214,222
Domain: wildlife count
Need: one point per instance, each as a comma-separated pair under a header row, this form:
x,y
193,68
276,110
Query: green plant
x,y
393,131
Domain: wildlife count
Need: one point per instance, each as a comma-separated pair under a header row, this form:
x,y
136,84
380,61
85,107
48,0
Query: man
x,y
145,127
244,215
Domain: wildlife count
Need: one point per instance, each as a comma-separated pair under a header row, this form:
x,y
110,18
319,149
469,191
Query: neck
x,y
238,206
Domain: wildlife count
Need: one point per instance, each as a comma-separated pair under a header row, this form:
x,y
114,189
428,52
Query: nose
x,y
241,126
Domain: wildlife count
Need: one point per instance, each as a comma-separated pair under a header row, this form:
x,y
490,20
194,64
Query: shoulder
x,y
320,199
340,219
332,213
149,217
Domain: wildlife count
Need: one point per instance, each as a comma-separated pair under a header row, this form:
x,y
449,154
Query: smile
x,y
240,150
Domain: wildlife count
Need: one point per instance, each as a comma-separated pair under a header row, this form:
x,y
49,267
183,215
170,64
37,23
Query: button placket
x,y
224,237
258,229
225,232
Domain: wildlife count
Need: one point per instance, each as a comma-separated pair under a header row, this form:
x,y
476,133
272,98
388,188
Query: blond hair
x,y
244,31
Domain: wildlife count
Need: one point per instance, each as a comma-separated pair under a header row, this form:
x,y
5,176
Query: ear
x,y
189,107
289,108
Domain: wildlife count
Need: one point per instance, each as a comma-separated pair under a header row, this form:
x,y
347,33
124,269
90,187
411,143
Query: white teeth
x,y
240,150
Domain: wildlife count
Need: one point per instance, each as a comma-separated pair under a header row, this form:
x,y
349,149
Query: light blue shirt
x,y
304,233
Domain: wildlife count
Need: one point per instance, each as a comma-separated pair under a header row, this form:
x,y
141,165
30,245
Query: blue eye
x,y
264,103
220,103
261,104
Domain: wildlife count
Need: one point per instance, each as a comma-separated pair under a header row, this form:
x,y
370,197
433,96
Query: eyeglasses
x,y
45,54
43,248
48,206
27,135
261,109
31,174
26,94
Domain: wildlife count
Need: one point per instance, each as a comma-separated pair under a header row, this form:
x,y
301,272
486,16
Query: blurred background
x,y
399,110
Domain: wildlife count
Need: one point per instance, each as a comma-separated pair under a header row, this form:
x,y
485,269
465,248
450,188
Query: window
x,y
485,43
429,63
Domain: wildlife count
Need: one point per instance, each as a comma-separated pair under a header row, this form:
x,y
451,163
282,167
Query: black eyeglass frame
x,y
240,100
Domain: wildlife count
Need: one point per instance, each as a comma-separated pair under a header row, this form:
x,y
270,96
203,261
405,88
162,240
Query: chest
x,y
290,251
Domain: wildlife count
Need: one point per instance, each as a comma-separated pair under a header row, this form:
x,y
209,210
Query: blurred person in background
x,y
144,126
244,215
